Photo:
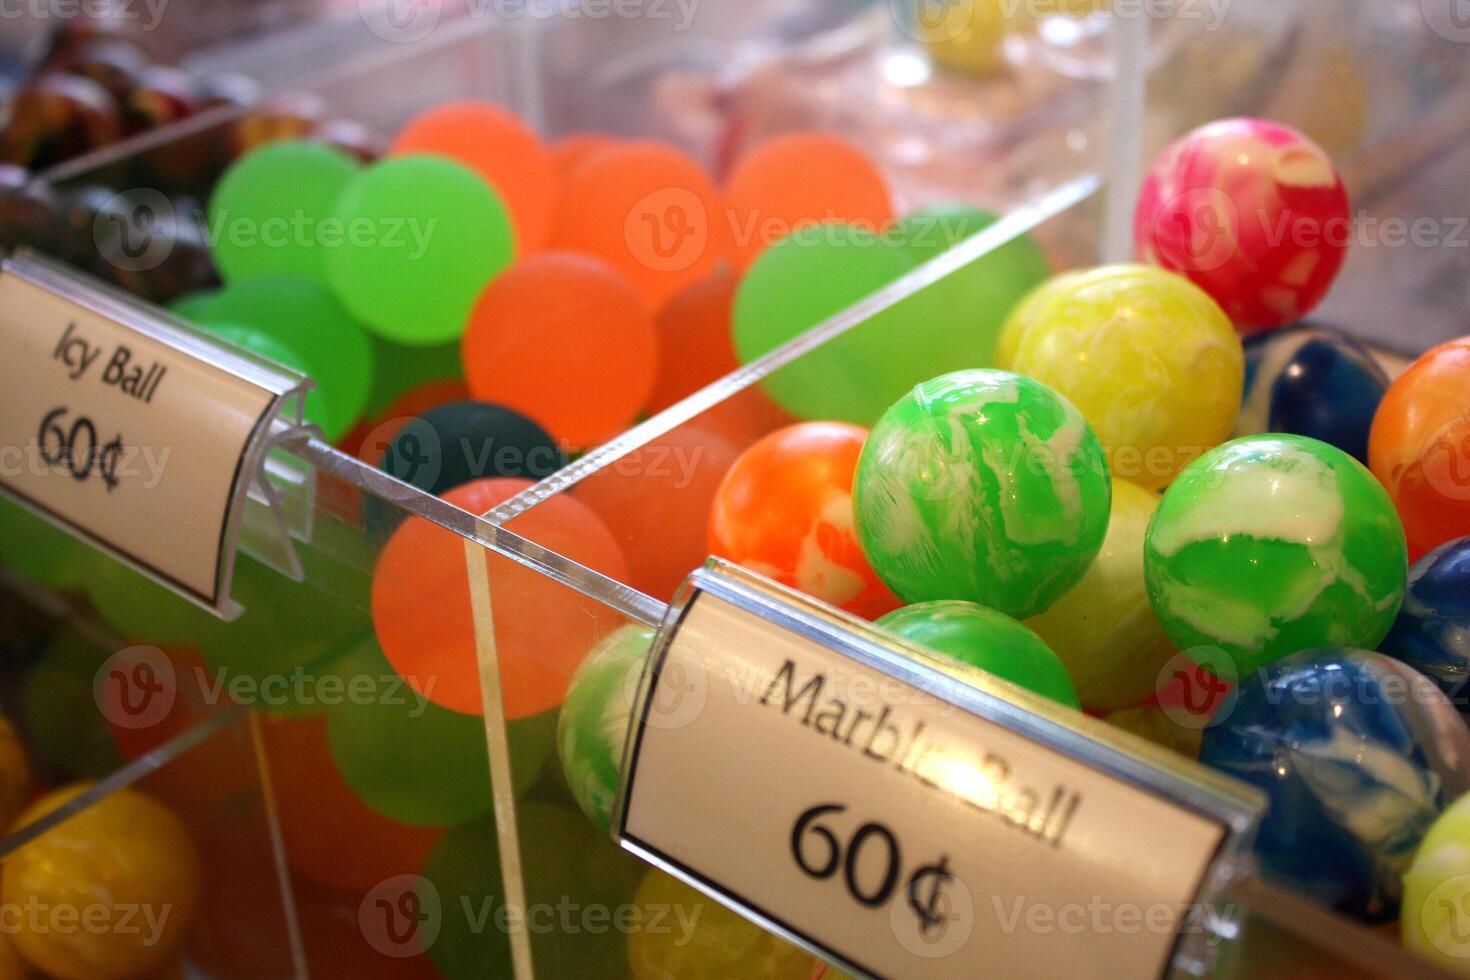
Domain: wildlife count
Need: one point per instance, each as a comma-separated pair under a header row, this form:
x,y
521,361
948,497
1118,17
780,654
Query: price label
x,y
903,823
114,425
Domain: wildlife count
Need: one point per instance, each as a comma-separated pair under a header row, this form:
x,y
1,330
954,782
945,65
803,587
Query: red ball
x,y
1253,213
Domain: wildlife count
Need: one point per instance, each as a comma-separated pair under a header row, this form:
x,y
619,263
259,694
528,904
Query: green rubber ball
x,y
978,636
307,319
42,552
569,870
803,280
958,320
431,236
319,410
413,761
272,211
144,611
58,710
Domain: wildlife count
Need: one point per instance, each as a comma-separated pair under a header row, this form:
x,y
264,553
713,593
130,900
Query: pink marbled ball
x,y
1252,212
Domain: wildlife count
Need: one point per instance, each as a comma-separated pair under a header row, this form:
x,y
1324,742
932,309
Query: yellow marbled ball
x,y
1024,315
1433,920
1150,360
1154,723
1104,629
106,894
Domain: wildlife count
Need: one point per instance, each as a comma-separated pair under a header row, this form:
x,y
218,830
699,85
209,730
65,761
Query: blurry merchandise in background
x,y
991,103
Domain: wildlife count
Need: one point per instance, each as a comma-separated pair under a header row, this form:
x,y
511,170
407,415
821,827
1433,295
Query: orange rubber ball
x,y
799,181
1419,447
650,212
422,611
785,510
571,152
564,340
656,501
503,150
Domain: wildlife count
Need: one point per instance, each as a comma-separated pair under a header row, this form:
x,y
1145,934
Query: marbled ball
x,y
593,725
984,486
1273,544
1311,381
1432,633
1147,357
1357,754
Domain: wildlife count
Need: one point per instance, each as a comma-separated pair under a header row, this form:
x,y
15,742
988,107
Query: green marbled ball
x,y
594,721
984,486
977,636
1273,544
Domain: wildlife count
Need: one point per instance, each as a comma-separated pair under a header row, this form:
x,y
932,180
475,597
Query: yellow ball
x,y
1024,315
1150,360
966,35
107,894
15,774
1153,723
1104,629
705,940
1435,918
12,967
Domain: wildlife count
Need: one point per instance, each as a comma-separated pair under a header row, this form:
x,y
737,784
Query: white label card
x,y
891,829
122,436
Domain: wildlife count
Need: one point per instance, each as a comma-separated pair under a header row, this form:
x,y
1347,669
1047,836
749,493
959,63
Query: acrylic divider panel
x,y
139,831
334,758
655,489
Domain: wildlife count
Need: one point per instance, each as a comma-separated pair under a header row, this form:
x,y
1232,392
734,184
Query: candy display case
x,y
412,738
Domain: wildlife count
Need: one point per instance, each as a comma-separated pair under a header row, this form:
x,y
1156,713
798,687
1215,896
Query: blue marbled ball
x,y
1357,754
1311,381
1432,633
